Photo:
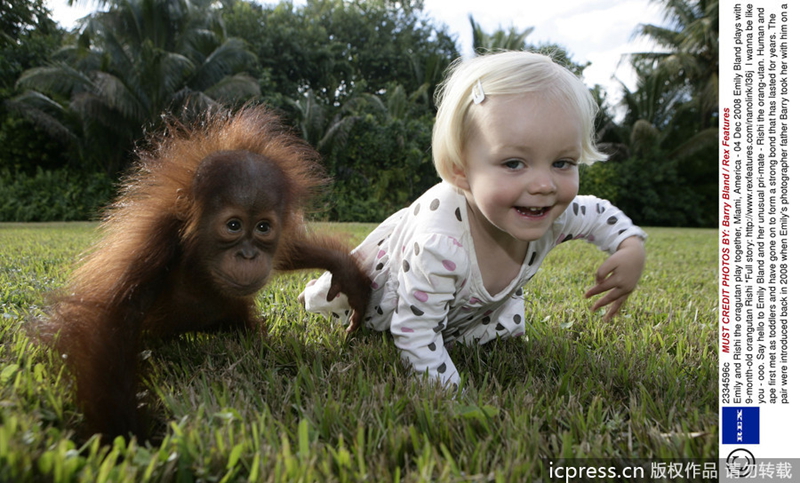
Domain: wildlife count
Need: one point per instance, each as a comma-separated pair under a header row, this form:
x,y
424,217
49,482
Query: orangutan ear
x,y
182,205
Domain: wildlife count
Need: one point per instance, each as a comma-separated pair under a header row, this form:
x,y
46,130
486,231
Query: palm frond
x,y
234,88
117,96
58,79
702,140
44,112
226,59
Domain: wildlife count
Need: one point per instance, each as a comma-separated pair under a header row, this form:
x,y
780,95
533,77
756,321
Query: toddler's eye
x,y
513,164
564,163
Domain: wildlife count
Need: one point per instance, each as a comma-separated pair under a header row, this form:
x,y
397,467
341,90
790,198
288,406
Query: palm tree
x,y
499,40
502,40
128,66
659,157
690,55
674,106
326,128
428,72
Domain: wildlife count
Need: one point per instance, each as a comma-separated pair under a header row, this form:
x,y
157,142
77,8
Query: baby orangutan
x,y
205,217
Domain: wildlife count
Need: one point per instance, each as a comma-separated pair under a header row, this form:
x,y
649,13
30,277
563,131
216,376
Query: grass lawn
x,y
305,402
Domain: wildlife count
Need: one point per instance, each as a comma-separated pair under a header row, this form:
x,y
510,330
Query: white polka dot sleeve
x,y
315,296
599,222
431,271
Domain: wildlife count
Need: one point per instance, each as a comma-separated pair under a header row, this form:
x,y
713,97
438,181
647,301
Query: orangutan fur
x,y
208,211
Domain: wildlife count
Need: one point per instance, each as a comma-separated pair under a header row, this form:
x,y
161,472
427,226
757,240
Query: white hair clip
x,y
477,93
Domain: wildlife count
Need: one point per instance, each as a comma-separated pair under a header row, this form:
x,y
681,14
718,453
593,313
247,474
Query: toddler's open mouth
x,y
532,211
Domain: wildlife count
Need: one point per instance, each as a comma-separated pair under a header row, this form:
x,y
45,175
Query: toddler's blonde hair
x,y
504,73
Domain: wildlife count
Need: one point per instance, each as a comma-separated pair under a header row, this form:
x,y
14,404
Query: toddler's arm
x,y
607,227
618,276
430,275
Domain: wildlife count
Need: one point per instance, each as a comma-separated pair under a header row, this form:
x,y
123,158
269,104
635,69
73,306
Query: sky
x,y
596,31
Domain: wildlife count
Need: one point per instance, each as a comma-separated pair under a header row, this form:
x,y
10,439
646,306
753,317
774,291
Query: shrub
x,y
53,195
383,167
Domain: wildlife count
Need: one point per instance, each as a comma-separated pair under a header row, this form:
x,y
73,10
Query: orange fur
x,y
126,285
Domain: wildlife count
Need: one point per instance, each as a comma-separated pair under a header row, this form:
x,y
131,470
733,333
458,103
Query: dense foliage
x,y
56,194
354,77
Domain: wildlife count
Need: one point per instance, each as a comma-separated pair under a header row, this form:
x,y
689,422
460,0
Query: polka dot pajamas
x,y
427,287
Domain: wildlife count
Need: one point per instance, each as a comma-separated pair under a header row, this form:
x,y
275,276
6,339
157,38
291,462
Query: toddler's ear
x,y
460,178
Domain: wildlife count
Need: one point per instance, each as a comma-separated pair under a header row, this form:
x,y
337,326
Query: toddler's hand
x,y
618,276
351,280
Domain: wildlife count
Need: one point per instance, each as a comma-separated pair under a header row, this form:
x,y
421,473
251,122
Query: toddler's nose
x,y
541,183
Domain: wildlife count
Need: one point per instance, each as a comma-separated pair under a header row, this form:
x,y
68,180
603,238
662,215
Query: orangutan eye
x,y
234,225
263,227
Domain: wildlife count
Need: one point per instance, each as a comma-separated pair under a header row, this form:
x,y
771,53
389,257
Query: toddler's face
x,y
522,163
